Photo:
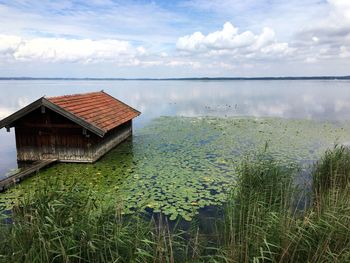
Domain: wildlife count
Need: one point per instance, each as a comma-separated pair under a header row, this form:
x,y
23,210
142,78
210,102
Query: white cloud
x,y
141,50
311,60
229,39
183,63
344,52
327,37
144,22
181,38
193,42
67,50
341,10
9,44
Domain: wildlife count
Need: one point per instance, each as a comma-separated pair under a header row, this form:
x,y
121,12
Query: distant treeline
x,y
200,78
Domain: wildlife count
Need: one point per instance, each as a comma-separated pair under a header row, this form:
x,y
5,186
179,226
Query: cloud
x,y
327,37
9,44
68,50
284,16
341,10
344,52
229,39
174,38
183,63
99,19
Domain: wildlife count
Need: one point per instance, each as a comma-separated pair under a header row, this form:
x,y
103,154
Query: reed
x,y
258,210
67,226
261,222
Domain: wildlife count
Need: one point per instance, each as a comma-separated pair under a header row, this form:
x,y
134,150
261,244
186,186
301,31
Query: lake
x,y
190,138
301,99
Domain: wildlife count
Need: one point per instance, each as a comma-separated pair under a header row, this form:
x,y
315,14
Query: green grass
x,y
66,226
178,165
258,211
55,225
261,222
331,176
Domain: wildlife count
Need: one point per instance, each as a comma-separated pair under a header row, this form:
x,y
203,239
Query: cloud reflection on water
x,y
287,99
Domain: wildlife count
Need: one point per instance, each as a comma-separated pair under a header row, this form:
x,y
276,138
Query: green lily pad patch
x,y
177,165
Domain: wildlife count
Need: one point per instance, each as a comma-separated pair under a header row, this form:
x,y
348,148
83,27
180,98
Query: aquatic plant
x,y
179,165
261,223
54,225
258,208
332,171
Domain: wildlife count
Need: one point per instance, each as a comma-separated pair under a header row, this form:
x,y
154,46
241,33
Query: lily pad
x,y
177,165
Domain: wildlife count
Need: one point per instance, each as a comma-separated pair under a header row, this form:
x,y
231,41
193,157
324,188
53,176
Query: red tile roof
x,y
97,108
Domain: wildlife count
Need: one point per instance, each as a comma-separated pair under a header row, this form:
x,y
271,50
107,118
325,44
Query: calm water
x,y
310,99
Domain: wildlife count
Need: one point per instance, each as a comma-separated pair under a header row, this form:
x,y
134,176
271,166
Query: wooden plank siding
x,y
48,135
111,139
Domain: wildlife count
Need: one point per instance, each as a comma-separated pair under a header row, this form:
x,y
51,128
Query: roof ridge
x,y
98,122
80,106
62,109
77,94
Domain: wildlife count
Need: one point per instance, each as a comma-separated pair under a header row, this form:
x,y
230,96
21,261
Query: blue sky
x,y
105,38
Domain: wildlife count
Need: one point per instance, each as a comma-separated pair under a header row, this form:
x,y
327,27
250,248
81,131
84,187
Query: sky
x,y
164,39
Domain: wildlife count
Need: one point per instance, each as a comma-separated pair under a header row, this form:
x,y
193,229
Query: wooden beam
x,y
48,125
73,118
42,109
19,114
8,128
46,103
16,178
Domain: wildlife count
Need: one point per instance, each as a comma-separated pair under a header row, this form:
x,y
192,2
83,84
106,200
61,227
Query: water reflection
x,y
288,99
7,152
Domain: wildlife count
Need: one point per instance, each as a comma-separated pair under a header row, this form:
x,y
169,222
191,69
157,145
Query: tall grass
x,y
261,222
331,177
66,226
258,210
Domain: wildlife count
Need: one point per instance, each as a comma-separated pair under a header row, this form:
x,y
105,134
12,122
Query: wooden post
x,y
7,128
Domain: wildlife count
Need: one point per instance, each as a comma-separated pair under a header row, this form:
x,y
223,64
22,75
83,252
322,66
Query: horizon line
x,y
326,77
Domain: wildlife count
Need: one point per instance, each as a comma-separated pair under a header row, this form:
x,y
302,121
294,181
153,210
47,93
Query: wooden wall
x,y
44,134
111,139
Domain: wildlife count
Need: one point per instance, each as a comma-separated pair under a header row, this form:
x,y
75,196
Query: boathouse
x,y
71,128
